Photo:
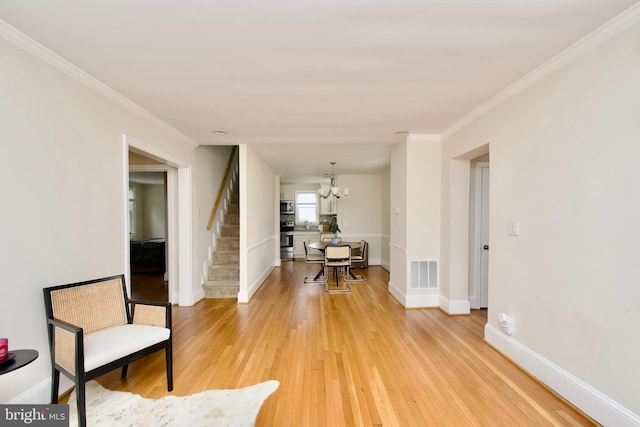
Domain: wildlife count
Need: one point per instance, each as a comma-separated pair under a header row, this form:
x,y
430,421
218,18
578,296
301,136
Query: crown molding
x,y
35,49
423,137
570,54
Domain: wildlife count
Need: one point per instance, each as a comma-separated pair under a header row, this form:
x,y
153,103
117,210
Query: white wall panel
x,y
564,157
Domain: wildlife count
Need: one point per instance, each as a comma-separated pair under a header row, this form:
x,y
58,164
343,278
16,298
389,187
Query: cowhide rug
x,y
238,407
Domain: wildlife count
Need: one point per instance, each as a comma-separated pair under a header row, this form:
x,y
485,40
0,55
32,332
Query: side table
x,y
19,358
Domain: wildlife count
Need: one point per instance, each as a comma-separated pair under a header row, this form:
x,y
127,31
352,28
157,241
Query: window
x,y
132,210
306,206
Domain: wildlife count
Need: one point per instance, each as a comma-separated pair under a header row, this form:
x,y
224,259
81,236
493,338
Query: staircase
x,y
224,271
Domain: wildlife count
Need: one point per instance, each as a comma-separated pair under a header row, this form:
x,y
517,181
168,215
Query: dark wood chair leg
x,y
55,385
168,354
124,371
81,401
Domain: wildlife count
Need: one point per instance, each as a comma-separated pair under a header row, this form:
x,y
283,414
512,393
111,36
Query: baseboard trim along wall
x,y
198,294
601,408
413,300
421,301
246,297
38,394
454,307
396,292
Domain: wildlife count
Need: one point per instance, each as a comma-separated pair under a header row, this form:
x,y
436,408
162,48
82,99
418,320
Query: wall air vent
x,y
423,274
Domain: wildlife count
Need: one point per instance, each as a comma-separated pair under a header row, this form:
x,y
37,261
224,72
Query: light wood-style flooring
x,y
149,287
347,359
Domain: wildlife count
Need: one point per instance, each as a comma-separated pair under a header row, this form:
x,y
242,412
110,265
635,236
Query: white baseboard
x,y
473,302
421,301
39,394
175,297
244,297
198,295
397,293
454,307
601,408
413,300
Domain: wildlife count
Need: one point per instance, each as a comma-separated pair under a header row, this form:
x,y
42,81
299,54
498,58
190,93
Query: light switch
x,y
513,228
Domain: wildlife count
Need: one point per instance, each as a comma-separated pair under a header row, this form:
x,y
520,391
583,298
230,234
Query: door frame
x,y
179,219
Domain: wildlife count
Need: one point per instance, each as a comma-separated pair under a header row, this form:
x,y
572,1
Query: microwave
x,y
286,206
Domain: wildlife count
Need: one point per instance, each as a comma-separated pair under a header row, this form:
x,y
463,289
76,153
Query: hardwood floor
x,y
347,359
149,287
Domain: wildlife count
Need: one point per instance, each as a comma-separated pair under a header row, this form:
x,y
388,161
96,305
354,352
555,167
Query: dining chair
x,y
313,259
359,259
338,257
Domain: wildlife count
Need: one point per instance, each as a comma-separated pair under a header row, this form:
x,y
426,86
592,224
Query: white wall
x,y
423,204
415,214
398,223
155,211
63,187
258,233
385,217
360,215
150,210
139,209
564,157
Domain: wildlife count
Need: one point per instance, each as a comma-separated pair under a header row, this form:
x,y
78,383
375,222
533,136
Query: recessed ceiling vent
x,y
423,274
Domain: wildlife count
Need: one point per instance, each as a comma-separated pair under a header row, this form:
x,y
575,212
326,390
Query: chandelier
x,y
334,190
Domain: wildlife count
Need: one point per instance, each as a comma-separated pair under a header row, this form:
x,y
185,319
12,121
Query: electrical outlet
x,y
506,322
513,228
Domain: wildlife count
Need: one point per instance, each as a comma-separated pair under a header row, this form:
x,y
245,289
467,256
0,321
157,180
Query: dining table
x,y
321,246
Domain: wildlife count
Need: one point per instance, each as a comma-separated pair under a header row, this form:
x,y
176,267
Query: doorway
x,y
479,247
148,230
179,218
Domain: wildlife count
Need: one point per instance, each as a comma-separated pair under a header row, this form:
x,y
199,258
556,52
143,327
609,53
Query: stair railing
x,y
223,185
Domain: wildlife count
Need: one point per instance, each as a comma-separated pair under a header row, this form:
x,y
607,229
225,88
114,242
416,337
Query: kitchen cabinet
x,y
328,205
287,191
301,237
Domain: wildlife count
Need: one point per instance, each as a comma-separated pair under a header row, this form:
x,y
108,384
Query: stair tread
x,y
221,288
224,266
222,282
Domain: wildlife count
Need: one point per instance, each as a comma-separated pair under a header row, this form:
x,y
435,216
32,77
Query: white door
x,y
484,236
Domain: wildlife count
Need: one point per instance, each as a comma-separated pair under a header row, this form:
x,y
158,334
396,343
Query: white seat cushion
x,y
107,345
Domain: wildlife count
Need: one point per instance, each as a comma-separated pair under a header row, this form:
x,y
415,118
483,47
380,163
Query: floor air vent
x,y
423,274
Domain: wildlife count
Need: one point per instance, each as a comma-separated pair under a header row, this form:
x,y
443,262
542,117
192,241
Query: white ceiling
x,y
303,82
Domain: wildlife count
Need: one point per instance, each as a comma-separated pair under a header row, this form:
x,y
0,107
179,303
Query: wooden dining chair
x,y
313,259
338,258
359,258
